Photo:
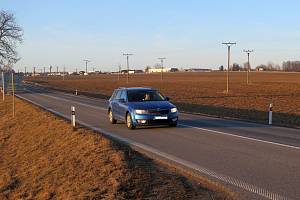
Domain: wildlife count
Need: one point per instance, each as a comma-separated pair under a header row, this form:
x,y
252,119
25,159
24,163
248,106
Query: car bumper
x,y
148,120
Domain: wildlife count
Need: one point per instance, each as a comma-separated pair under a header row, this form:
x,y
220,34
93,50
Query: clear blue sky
x,y
189,33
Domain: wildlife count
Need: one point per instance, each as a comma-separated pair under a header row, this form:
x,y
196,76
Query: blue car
x,y
141,107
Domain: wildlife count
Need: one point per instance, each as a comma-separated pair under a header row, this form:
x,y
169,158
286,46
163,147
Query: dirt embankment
x,y
42,158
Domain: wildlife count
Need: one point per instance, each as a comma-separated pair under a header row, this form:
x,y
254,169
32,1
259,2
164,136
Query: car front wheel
x,y
129,123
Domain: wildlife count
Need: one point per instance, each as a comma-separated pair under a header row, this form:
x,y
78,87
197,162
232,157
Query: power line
x,y
228,44
248,67
162,67
127,59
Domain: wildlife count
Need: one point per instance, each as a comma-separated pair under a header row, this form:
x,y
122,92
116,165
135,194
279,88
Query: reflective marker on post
x,y
270,113
73,119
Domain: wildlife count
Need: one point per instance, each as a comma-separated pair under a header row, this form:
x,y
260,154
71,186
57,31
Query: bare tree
x,y
291,66
10,35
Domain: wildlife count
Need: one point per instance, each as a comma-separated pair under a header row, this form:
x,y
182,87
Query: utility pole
x,y
119,72
64,73
50,69
228,44
33,71
13,92
25,71
162,67
248,67
3,87
127,59
56,70
44,71
86,65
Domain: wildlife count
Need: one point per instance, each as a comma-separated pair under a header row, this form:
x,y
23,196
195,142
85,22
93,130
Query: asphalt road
x,y
257,161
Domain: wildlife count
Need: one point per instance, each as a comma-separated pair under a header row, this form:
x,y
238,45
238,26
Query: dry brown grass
x,y
42,158
204,92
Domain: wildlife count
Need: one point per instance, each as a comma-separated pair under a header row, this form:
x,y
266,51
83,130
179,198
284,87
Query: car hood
x,y
151,105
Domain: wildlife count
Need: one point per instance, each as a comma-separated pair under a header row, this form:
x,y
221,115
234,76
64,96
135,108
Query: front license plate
x,y
160,117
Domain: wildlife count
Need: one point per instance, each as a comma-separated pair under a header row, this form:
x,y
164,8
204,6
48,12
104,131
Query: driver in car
x,y
147,97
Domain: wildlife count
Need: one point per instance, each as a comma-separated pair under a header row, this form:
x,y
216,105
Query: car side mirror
x,y
167,98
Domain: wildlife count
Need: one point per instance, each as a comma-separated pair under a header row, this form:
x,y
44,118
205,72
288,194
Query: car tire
x,y
111,118
129,123
173,124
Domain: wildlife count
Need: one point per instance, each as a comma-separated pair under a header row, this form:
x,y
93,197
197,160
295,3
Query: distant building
x,y
197,70
132,71
138,71
81,72
261,68
158,70
173,69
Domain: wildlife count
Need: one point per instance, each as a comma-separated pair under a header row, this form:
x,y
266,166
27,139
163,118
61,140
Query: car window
x,y
123,95
113,96
118,94
144,95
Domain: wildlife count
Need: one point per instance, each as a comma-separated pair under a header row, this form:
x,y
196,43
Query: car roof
x,y
136,88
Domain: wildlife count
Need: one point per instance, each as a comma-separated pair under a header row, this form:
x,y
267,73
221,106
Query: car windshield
x,y
144,95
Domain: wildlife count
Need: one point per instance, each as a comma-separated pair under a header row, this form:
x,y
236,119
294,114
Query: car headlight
x,y
173,110
140,112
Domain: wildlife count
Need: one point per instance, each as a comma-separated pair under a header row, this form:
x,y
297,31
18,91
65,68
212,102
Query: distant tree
x,y
261,67
236,67
221,68
270,66
245,67
10,35
147,68
157,66
277,67
291,66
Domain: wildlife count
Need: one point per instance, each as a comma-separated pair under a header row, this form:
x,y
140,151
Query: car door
x,y
123,104
114,103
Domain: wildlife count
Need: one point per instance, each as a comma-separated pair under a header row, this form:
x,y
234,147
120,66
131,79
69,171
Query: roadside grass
x,y
41,157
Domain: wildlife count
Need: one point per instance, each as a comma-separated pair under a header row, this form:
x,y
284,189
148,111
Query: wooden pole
x,y
3,87
13,92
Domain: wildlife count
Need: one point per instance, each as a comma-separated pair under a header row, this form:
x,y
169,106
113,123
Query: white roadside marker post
x,y
270,113
73,118
76,92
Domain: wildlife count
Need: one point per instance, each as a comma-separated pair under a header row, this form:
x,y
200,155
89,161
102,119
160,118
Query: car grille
x,y
159,112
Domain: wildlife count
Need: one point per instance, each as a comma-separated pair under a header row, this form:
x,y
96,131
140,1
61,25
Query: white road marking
x,y
242,137
233,181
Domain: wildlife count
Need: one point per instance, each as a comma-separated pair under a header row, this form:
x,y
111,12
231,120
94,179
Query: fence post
x,y
73,117
270,113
